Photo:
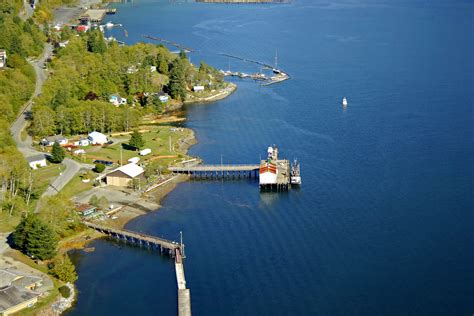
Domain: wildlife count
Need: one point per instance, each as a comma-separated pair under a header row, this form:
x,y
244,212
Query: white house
x,y
3,58
163,97
198,88
37,161
82,142
49,141
97,138
79,152
116,100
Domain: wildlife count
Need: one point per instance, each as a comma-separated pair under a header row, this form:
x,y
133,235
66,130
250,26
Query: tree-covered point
x,y
86,73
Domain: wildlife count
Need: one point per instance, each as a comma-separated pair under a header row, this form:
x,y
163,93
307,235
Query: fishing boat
x,y
344,101
295,173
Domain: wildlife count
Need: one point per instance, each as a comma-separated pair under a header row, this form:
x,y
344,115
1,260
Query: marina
x,y
278,74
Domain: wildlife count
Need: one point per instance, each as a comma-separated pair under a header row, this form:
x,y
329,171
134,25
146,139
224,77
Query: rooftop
x,y
36,158
12,296
132,170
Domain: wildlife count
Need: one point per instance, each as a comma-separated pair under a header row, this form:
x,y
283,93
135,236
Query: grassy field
x,y
43,176
157,139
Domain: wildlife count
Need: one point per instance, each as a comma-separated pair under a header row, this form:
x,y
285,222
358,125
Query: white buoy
x,y
344,101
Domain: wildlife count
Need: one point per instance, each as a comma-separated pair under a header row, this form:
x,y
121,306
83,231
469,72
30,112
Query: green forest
x,y
88,71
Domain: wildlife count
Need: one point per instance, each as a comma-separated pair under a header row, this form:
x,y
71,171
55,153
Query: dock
x,y
279,75
283,177
148,241
218,171
184,295
173,248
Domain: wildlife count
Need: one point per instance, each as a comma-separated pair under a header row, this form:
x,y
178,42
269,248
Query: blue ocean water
x,y
383,224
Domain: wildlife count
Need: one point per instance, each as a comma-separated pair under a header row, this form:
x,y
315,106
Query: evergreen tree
x,y
35,238
96,42
136,140
162,65
182,54
63,269
177,85
57,153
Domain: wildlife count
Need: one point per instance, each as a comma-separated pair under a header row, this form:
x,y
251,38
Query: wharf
x,y
139,238
175,250
283,176
184,295
211,171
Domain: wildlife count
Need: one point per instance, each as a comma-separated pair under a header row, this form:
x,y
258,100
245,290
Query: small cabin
x,y
3,58
116,100
86,210
198,88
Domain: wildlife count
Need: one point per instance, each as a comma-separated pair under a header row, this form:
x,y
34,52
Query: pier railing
x,y
214,168
139,238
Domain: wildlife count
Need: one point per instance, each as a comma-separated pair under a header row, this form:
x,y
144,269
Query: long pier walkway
x,y
210,171
140,239
184,295
173,248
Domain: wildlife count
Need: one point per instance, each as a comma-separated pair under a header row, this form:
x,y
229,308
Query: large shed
x,y
122,176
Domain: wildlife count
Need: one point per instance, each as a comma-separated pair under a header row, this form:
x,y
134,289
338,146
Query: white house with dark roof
x,y
3,58
37,161
50,140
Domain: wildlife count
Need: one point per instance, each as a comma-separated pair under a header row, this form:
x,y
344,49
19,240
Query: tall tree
x,y
177,84
57,153
35,238
136,140
96,42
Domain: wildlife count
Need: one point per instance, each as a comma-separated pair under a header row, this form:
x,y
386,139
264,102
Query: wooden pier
x,y
173,248
161,244
218,171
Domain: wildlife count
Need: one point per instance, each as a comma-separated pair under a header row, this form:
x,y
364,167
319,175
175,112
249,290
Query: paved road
x,y
25,146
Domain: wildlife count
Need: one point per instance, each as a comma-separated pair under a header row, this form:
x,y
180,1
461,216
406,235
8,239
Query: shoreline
x,y
144,203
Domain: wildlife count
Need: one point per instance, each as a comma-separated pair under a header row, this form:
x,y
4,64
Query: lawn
x,y
157,139
43,176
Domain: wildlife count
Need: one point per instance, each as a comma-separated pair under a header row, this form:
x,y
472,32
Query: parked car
x,y
104,162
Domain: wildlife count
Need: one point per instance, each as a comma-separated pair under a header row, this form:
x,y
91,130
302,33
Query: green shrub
x,y
65,291
99,167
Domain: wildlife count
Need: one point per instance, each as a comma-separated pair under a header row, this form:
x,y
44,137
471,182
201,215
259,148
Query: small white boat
x,y
344,101
109,25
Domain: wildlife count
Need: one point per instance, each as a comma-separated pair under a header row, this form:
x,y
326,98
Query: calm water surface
x,y
383,224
